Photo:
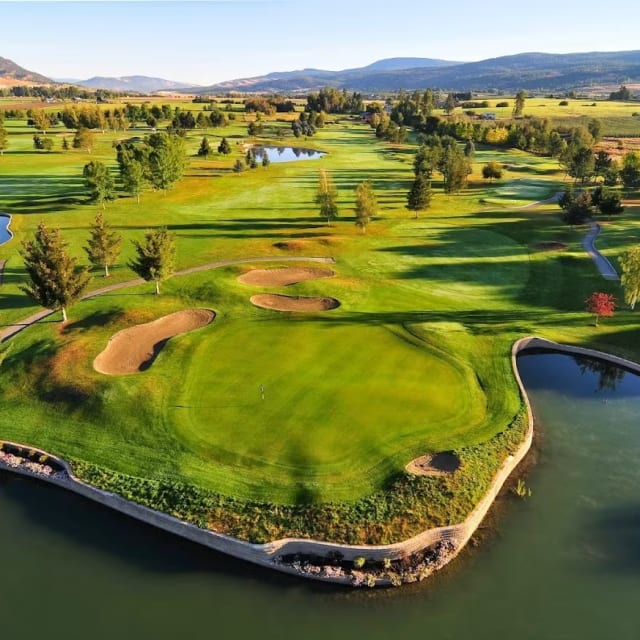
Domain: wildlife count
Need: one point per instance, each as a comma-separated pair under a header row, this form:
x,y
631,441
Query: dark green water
x,y
564,564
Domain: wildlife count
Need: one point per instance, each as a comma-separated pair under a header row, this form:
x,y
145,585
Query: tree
x,y
630,279
133,177
55,282
606,201
576,209
167,160
366,205
99,181
239,166
455,167
419,197
630,171
42,142
4,139
265,158
156,257
492,170
65,144
41,120
601,305
326,197
449,104
205,148
470,149
84,139
224,147
518,105
103,246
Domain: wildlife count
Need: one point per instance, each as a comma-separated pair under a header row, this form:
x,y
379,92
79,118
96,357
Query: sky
x,y
209,41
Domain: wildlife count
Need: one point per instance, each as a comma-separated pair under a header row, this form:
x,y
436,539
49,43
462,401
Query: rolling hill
x,y
12,74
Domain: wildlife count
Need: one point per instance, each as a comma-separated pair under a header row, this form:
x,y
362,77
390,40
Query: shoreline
x,y
447,541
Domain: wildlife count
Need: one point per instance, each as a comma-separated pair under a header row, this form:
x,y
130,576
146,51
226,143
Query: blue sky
x,y
208,41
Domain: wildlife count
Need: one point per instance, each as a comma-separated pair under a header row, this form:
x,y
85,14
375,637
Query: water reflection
x,y
286,154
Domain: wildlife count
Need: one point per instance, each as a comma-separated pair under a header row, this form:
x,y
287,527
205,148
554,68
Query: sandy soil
x,y
294,303
134,349
283,277
437,464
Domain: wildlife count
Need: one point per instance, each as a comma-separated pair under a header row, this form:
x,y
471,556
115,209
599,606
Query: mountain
x,y
12,75
530,71
141,84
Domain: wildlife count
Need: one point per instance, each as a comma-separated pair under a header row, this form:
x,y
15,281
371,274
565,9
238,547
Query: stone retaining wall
x,y
269,554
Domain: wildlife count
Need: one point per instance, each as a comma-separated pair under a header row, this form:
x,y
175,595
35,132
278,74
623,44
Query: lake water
x,y
564,564
287,154
5,234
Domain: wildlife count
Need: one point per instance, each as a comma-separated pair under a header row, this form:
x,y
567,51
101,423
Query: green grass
x,y
415,359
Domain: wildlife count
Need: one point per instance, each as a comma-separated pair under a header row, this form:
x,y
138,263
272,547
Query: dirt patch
x,y
294,303
550,246
436,464
134,349
283,277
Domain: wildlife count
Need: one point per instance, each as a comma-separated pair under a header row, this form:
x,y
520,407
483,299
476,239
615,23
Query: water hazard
x,y
286,154
5,234
564,564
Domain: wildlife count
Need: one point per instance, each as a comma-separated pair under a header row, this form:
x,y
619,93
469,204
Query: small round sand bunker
x,y
283,277
293,303
134,349
434,464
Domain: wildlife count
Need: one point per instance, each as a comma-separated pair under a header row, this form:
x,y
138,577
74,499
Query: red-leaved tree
x,y
601,304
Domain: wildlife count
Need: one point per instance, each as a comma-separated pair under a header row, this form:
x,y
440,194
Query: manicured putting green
x,y
341,404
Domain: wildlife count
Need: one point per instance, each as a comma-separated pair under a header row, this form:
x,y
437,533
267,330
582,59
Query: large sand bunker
x,y
134,349
283,277
293,303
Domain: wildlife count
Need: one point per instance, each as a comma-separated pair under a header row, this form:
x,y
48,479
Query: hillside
x,y
142,84
12,74
530,71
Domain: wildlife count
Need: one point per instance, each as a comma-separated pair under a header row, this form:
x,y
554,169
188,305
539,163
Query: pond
x,y
5,234
287,154
564,564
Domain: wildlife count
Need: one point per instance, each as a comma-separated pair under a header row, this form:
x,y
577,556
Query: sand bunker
x,y
134,349
294,303
436,464
283,277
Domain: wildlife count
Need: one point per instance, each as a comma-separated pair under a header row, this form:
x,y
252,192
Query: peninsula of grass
x,y
267,424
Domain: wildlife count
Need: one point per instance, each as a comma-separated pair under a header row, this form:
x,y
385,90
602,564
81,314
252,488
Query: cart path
x,y
12,329
606,269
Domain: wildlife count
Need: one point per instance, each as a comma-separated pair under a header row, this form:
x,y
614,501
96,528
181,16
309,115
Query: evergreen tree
x,y
265,158
224,147
99,181
156,257
326,197
419,197
205,148
65,144
366,205
239,166
55,282
469,149
518,105
103,246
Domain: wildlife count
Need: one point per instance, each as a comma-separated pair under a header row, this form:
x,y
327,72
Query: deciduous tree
x,y
132,174
103,246
518,105
4,139
492,170
366,205
99,181
155,257
84,139
326,197
601,305
55,281
630,279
